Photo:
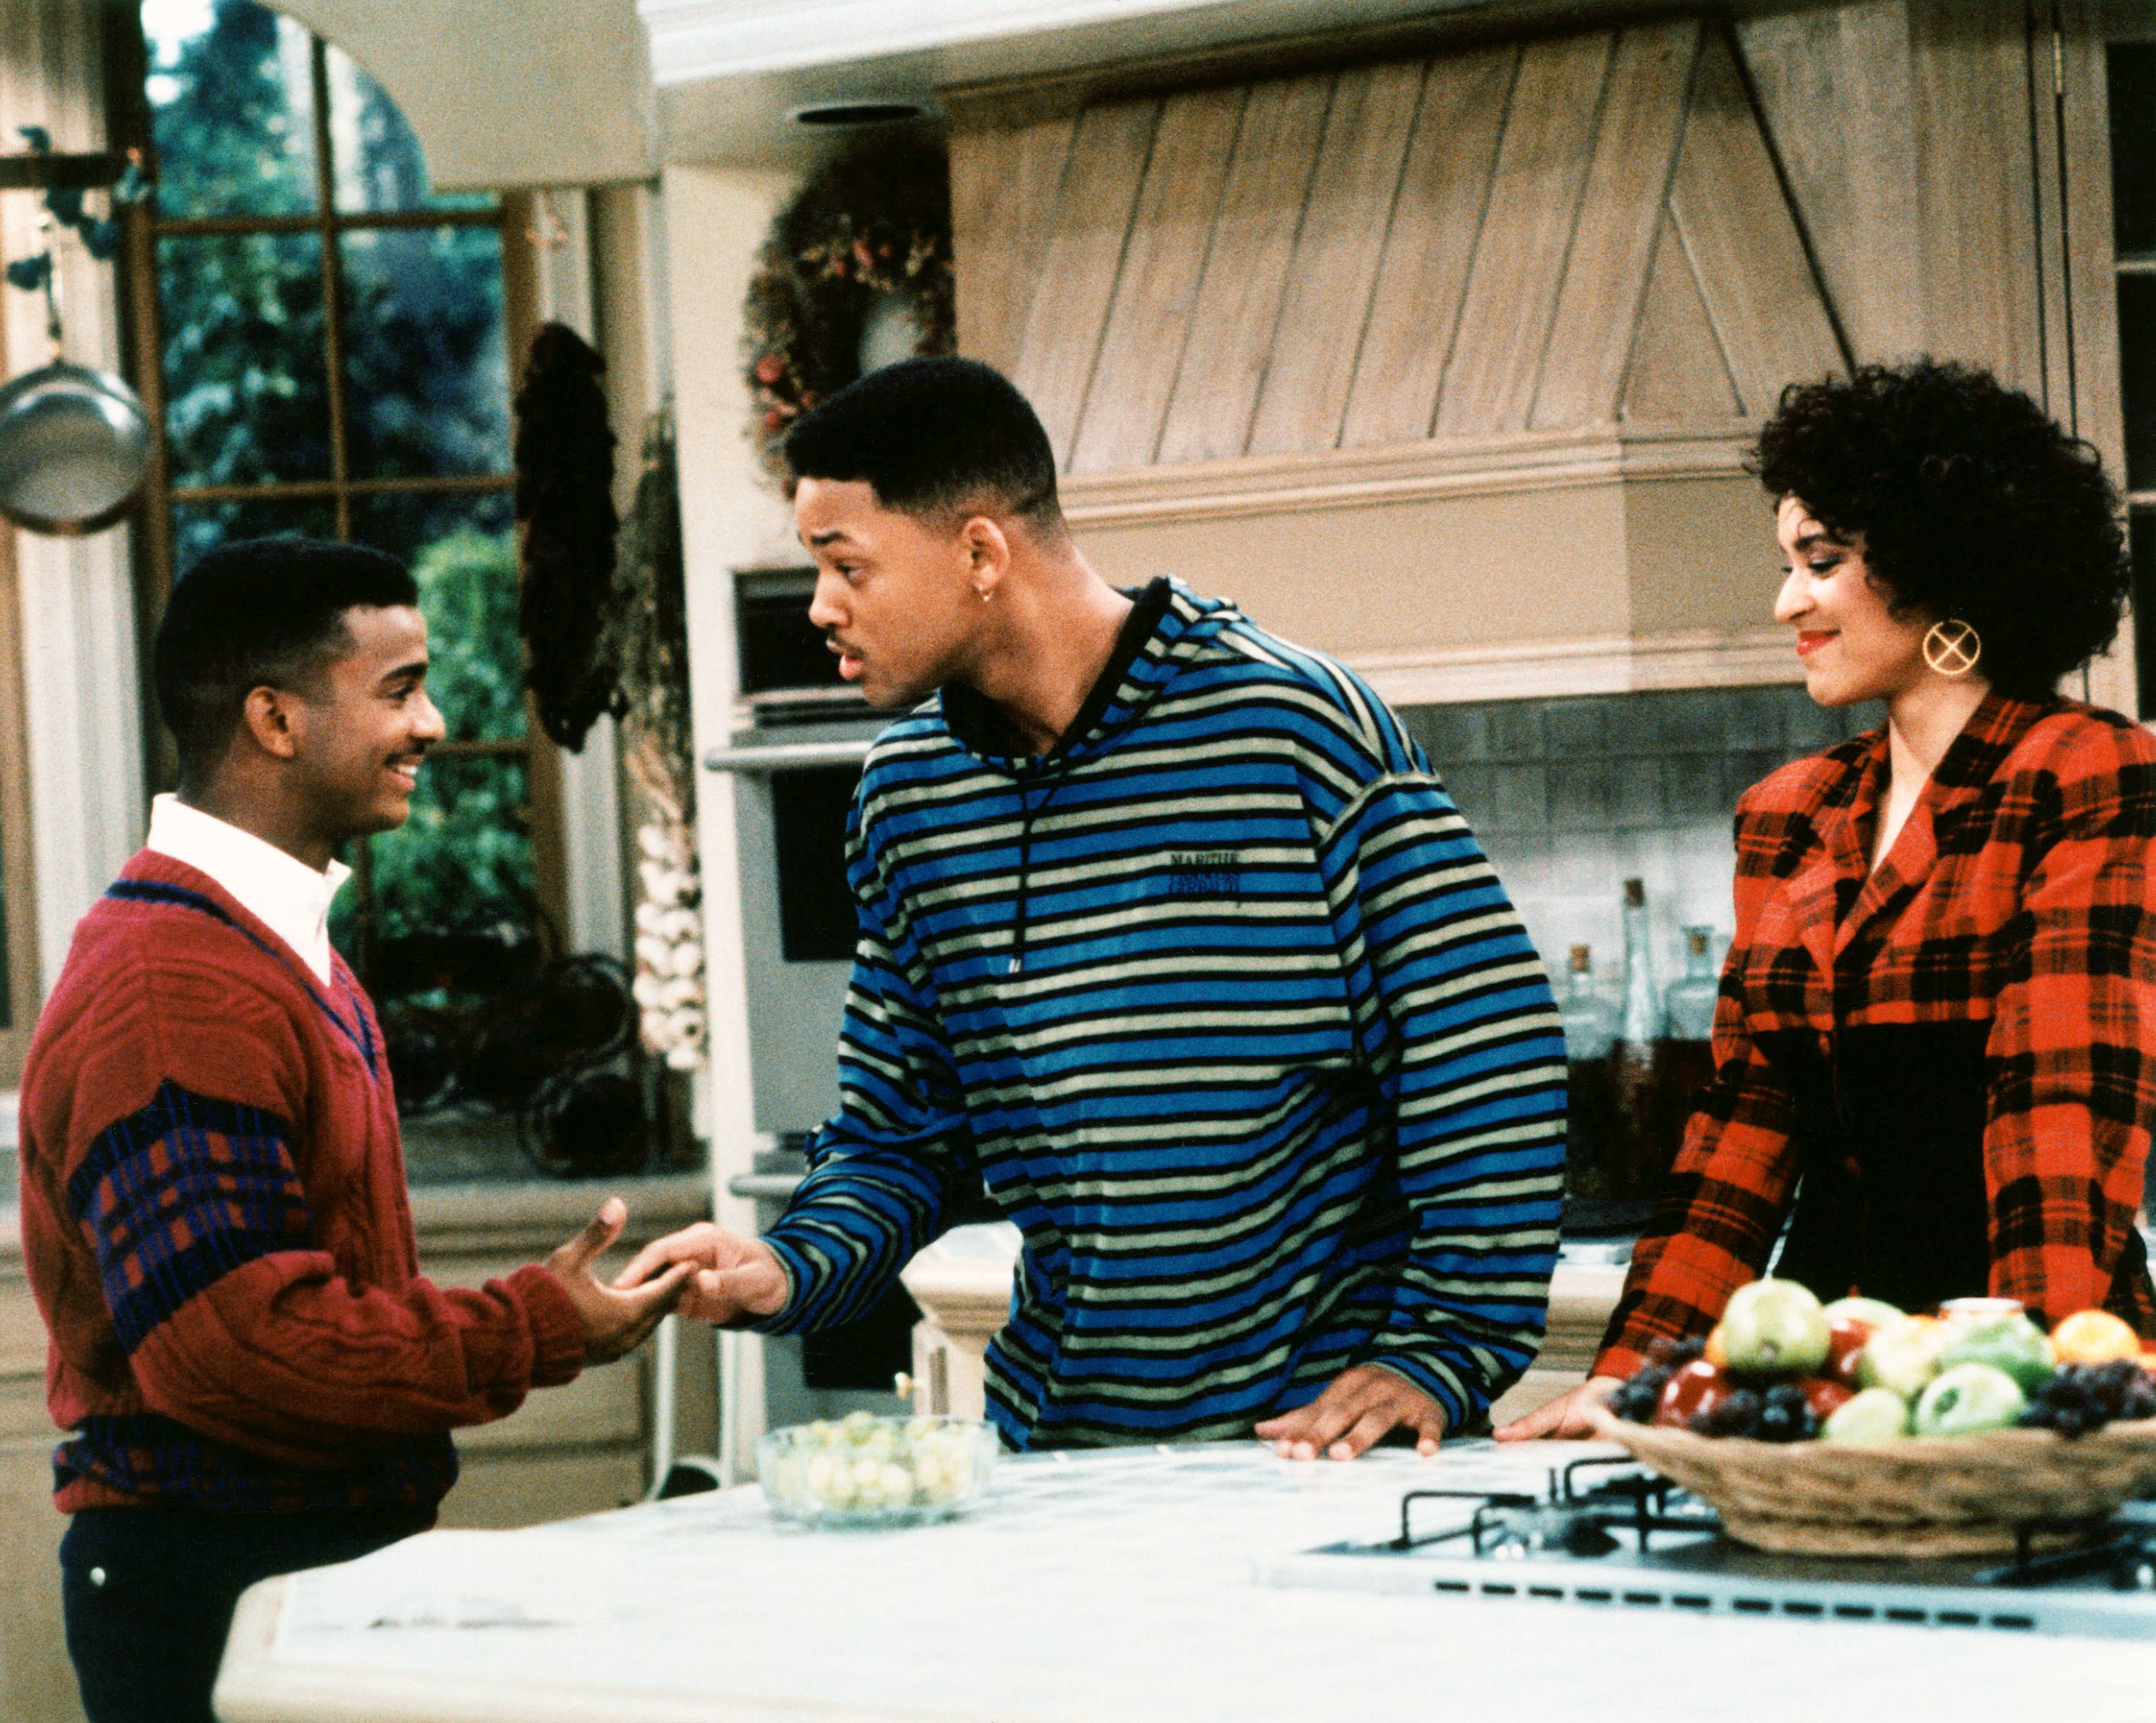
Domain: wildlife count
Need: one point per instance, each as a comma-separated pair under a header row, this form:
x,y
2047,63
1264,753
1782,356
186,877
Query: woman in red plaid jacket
x,y
1935,1047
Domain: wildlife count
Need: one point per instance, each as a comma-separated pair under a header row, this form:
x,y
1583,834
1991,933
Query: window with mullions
x,y
332,342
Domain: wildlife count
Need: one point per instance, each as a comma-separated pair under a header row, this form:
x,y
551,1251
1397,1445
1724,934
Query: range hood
x,y
1447,366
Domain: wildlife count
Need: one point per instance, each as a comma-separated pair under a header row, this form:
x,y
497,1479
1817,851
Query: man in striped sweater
x,y
1173,947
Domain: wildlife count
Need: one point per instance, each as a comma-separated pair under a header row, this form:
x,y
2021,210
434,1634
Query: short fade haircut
x,y
259,613
936,438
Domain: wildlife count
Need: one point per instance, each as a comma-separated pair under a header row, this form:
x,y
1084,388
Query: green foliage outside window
x,y
425,372
425,375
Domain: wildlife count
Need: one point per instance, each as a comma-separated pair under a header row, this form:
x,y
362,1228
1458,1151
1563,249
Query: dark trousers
x,y
149,1594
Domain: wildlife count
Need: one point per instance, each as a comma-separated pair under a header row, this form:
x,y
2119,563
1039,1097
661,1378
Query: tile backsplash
x,y
1573,797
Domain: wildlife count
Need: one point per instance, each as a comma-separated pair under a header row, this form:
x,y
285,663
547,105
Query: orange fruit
x,y
1716,1354
2093,1337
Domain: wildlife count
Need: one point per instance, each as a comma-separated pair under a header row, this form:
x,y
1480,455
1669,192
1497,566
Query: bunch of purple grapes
x,y
2082,1398
1775,1414
1637,1400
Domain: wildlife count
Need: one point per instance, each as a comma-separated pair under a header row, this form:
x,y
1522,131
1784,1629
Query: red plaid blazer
x,y
2018,893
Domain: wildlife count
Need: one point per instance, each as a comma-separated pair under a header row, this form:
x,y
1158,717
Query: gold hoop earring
x,y
1953,647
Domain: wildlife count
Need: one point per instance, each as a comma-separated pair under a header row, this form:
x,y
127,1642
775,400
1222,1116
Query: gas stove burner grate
x,y
2099,1545
1629,1540
1583,1520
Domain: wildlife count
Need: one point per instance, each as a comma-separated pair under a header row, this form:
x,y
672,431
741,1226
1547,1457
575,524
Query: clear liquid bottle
x,y
1589,1019
1690,1000
1640,1023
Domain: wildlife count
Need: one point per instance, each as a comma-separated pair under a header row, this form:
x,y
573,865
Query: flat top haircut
x,y
259,613
936,438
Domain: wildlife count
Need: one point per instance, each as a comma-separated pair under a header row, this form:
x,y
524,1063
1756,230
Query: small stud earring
x,y
983,592
1953,647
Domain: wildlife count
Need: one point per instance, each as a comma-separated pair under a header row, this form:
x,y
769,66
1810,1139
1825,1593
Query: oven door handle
x,y
761,759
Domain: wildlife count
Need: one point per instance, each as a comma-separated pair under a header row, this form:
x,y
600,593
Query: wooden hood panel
x,y
1561,235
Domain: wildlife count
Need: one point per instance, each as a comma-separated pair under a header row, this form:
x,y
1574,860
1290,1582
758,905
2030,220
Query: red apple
x,y
1845,1340
1826,1394
1700,1386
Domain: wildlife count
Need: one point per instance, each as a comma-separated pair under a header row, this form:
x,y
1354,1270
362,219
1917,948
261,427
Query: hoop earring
x,y
1952,648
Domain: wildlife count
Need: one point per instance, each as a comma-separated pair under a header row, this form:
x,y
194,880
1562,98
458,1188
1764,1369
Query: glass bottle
x,y
1688,1002
1639,1023
1592,1125
1589,1019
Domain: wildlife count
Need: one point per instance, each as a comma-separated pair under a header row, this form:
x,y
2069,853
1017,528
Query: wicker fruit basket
x,y
1959,1496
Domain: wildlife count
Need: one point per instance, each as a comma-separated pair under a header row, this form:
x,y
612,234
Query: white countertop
x,y
1118,1585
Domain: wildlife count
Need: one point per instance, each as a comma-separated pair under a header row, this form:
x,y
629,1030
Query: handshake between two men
x,y
728,1280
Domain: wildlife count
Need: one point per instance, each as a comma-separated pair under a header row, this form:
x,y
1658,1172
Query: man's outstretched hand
x,y
732,1279
613,1322
1357,1407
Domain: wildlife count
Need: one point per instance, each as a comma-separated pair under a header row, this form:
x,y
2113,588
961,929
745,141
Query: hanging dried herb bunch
x,y
869,236
648,643
565,501
647,635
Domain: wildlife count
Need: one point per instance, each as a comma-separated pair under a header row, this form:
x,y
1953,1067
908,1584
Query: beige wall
x,y
731,518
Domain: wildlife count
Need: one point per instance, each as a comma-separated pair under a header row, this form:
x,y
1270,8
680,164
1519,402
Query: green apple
x,y
1969,1398
1875,1313
2013,1344
1773,1328
1903,1357
1876,1415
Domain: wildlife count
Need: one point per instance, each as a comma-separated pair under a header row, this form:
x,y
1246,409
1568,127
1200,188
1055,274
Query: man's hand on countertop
x,y
734,1277
1358,1407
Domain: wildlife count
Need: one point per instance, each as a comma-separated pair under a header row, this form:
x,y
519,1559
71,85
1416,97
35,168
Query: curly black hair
x,y
1970,502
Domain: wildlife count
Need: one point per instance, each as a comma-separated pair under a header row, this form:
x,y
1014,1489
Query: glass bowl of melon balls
x,y
864,1473
1854,1428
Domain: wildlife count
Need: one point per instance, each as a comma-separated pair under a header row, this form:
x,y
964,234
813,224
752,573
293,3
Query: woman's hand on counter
x,y
1565,1417
732,1278
1358,1408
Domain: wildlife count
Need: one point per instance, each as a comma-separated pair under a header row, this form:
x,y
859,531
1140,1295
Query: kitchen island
x,y
962,1284
1118,1585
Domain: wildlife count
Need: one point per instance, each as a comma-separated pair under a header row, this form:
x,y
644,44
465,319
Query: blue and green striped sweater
x,y
1222,1004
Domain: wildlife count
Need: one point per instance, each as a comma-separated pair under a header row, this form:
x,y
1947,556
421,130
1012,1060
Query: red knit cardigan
x,y
217,1231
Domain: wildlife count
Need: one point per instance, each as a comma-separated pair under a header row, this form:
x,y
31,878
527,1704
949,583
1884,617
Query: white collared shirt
x,y
277,889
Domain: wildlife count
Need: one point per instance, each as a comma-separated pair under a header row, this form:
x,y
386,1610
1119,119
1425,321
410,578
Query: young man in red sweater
x,y
255,1377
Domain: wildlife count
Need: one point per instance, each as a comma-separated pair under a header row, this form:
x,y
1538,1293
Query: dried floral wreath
x,y
873,227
